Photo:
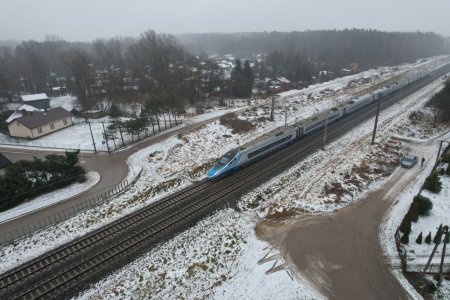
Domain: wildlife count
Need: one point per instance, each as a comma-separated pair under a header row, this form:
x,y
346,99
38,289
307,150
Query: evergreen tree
x,y
405,226
428,238
438,236
433,183
249,78
114,112
307,74
405,239
238,82
419,239
422,204
414,211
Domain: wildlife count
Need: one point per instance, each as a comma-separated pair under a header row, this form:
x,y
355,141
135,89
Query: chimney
x,y
24,112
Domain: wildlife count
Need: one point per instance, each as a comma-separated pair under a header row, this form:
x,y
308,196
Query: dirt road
x,y
340,253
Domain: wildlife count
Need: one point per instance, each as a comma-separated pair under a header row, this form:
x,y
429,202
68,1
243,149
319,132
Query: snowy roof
x,y
283,79
34,97
19,112
34,120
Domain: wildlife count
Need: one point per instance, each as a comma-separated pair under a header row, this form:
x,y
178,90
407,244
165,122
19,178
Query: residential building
x,y
41,101
35,124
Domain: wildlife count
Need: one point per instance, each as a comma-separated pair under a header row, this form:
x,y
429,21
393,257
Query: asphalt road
x,y
112,168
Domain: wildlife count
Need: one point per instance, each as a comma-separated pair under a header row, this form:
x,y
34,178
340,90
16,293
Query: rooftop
x,y
34,97
38,118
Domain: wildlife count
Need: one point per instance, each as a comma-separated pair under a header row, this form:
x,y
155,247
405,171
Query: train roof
x,y
319,116
289,129
268,137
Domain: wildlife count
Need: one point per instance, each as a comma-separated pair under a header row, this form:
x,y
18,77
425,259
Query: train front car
x,y
225,165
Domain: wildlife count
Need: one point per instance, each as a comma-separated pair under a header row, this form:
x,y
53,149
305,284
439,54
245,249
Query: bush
x,y
448,170
81,178
237,125
414,212
428,238
405,226
419,239
405,238
438,236
433,183
422,204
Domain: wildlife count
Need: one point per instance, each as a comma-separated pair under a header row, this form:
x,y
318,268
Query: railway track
x,y
69,268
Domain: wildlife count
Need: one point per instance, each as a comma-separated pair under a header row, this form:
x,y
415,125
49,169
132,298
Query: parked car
x,y
394,144
408,161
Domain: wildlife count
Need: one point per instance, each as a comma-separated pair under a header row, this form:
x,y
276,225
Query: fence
x,y
80,137
66,214
401,250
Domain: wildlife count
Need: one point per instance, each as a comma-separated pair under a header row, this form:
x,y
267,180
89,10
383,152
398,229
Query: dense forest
x,y
137,69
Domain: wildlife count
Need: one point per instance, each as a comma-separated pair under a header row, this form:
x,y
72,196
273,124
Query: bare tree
x,y
82,73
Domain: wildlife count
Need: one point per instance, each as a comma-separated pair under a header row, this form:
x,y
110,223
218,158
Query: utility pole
x,y
285,116
325,134
439,151
439,235
376,120
273,108
105,135
92,136
441,266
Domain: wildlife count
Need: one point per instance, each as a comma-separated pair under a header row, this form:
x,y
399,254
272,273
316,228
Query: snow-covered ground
x,y
51,198
220,259
440,214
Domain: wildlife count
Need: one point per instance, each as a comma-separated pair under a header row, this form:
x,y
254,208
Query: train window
x,y
226,158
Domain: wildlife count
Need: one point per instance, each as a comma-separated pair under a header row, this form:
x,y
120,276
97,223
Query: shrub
x,y
419,239
422,204
447,171
414,212
433,183
81,178
428,238
438,236
405,238
405,226
237,125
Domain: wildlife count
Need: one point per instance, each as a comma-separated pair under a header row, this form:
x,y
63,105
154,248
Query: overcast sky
x,y
86,20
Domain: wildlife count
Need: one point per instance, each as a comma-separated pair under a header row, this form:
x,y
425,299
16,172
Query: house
x,y
277,85
41,101
92,114
34,124
4,162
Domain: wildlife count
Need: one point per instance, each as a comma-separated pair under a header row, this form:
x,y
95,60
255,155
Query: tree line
x,y
125,69
27,179
300,55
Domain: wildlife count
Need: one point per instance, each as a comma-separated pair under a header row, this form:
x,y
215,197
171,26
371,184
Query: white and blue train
x,y
244,155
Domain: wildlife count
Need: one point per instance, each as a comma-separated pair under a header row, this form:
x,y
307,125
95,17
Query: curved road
x,y
112,168
340,253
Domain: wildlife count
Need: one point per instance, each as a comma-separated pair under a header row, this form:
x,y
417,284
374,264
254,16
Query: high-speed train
x,y
263,146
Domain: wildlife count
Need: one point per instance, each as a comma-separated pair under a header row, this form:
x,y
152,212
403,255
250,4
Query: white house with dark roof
x,y
34,124
41,101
